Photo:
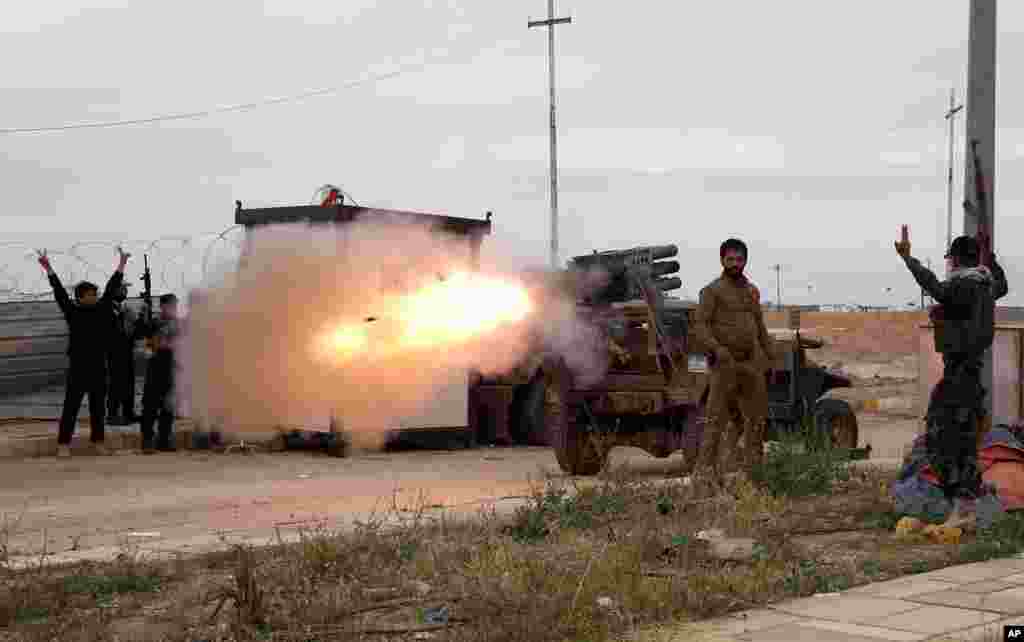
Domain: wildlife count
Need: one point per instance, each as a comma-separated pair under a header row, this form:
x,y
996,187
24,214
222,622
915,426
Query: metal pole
x,y
550,24
981,126
554,139
778,284
951,117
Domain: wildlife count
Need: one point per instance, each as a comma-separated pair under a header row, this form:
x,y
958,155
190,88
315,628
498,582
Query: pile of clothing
x,y
1001,460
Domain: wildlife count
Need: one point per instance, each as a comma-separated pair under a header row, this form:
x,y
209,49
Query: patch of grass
x,y
105,586
31,614
791,468
1003,539
871,568
882,520
556,508
590,562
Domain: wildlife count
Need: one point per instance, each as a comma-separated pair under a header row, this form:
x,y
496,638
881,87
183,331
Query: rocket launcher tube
x,y
669,284
667,267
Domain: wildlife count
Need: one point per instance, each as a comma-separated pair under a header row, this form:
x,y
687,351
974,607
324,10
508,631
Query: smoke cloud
x,y
249,358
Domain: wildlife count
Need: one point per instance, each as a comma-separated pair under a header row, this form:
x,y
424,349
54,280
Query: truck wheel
x,y
835,419
576,452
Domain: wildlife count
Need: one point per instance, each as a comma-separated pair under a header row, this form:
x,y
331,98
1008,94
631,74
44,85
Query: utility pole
x,y
778,284
951,117
981,127
550,24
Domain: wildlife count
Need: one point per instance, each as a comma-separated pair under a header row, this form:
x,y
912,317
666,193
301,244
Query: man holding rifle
x,y
158,402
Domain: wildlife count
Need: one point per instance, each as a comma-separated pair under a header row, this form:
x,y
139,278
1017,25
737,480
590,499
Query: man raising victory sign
x,y
90,319
964,330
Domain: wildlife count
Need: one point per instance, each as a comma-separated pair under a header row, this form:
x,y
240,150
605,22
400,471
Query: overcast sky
x,y
810,129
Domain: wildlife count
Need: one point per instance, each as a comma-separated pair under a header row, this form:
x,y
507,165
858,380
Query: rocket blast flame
x,y
463,307
351,323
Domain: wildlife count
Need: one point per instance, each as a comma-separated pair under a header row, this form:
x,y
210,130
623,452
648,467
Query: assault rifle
x,y
147,291
617,276
147,306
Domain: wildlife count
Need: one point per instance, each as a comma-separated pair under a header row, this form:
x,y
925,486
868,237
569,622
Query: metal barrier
x,y
1007,366
33,345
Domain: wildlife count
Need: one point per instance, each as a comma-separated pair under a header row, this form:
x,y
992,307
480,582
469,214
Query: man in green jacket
x,y
730,326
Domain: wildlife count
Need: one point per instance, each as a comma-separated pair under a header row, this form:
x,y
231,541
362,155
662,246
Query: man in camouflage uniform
x,y
966,314
730,326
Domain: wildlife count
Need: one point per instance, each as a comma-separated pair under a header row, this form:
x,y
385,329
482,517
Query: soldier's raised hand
x,y
903,245
43,259
123,256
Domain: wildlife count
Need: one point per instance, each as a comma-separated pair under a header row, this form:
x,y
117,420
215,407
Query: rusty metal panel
x,y
33,345
1007,366
1006,375
929,365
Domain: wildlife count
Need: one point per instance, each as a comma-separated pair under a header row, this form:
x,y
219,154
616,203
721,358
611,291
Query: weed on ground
x,y
596,560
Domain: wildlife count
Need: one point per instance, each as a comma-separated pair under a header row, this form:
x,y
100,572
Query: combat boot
x,y
708,456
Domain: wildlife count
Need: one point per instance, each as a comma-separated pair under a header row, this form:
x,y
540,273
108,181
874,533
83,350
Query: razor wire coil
x,y
177,263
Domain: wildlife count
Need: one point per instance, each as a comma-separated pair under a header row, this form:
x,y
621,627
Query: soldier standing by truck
x,y
965,329
730,326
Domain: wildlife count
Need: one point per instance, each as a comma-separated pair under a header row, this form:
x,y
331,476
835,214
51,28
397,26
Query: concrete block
x,y
1008,602
746,622
856,631
977,572
797,632
936,619
991,586
988,632
846,607
903,587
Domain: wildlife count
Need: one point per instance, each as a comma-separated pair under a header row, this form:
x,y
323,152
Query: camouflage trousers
x,y
955,412
738,393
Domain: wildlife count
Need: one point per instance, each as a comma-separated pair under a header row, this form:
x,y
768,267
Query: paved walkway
x,y
968,603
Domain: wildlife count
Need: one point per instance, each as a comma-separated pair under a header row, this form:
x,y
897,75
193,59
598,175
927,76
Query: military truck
x,y
654,392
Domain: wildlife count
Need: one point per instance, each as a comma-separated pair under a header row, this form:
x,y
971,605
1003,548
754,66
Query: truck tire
x,y
575,451
835,419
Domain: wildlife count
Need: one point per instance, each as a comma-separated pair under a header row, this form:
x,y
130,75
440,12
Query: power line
x,y
219,110
204,113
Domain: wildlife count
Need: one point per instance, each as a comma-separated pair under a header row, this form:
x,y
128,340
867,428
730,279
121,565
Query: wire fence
x,y
177,263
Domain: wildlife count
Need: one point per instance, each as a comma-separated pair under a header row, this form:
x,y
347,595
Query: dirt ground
x,y
92,507
189,501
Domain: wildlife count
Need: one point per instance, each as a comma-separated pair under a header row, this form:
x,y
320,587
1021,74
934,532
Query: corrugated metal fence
x,y
33,342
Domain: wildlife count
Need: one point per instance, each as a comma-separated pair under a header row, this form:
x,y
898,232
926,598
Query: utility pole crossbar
x,y
550,23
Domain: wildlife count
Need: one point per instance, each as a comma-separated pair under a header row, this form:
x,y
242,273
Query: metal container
x,y
1007,366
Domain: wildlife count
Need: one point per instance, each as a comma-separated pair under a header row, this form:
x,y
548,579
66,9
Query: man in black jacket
x,y
89,320
121,362
158,400
965,328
